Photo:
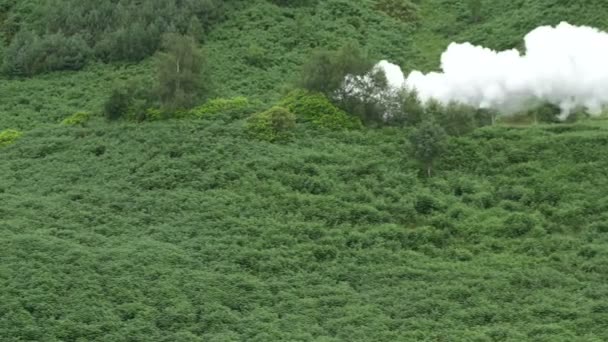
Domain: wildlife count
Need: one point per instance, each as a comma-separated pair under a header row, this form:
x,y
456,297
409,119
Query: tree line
x,y
66,34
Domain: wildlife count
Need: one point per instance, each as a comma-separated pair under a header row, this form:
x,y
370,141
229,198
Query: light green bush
x,y
272,125
219,105
78,118
318,110
9,136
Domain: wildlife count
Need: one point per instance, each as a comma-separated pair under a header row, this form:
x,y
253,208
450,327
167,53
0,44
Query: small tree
x,y
326,70
180,72
367,97
428,144
457,118
117,104
405,108
475,7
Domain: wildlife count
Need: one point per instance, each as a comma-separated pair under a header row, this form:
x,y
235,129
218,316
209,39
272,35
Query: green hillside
x,y
190,228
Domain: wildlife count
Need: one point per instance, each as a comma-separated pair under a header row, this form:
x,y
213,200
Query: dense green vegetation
x,y
221,202
189,230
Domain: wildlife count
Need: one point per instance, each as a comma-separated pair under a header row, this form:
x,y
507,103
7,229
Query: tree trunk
x,y
177,83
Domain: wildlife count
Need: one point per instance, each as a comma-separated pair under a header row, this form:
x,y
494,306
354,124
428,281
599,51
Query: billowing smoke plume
x,y
564,65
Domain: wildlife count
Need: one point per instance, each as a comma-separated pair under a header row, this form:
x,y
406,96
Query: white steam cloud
x,y
564,65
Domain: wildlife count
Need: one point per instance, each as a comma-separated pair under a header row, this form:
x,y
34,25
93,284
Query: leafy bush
x,y
181,72
428,144
404,108
29,54
518,224
272,125
65,34
78,118
403,10
9,136
317,109
117,104
219,106
425,204
325,70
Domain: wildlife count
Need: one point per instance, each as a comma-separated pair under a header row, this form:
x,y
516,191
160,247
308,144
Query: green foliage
x,y
457,119
117,104
475,7
9,136
65,34
77,119
180,72
428,143
546,113
403,10
365,96
326,70
318,110
243,218
186,230
404,108
275,124
220,105
29,54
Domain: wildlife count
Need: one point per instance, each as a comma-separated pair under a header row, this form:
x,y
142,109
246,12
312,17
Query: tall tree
x,y
181,69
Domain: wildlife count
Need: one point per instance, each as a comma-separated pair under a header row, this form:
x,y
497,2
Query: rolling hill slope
x,y
189,230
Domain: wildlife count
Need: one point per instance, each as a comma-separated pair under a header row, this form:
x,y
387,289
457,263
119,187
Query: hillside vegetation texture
x,y
249,217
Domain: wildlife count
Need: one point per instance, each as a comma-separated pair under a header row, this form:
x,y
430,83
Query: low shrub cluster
x,y
9,136
275,124
318,110
77,119
229,106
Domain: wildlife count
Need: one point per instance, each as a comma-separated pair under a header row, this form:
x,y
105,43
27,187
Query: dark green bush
x,y
65,34
403,10
29,54
518,224
426,204
117,104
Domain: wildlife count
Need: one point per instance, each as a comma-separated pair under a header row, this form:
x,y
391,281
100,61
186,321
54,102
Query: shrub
x,y
28,54
181,73
117,104
318,110
78,118
518,224
272,125
218,106
428,144
326,70
9,136
256,56
457,119
426,204
402,10
404,108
